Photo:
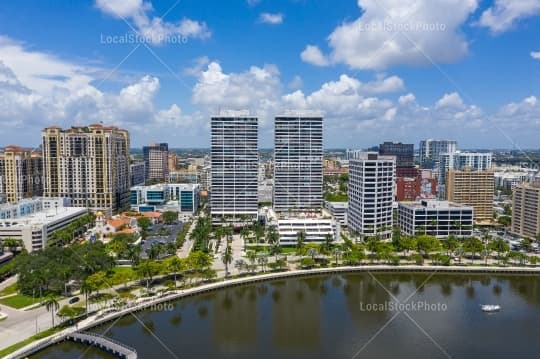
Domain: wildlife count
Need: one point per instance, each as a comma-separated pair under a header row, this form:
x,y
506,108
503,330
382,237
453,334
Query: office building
x,y
234,164
339,211
371,192
473,188
32,222
178,197
156,161
137,171
88,164
21,174
404,154
458,160
526,210
431,149
298,163
435,218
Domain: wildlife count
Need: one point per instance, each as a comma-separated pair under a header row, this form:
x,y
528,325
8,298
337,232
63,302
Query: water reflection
x,y
326,317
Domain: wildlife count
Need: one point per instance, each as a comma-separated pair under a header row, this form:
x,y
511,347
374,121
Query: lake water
x,y
339,316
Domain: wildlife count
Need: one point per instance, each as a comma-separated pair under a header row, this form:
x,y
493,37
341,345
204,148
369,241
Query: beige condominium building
x,y
21,174
89,164
526,210
473,188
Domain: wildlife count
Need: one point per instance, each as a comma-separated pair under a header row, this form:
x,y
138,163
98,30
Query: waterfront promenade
x,y
113,313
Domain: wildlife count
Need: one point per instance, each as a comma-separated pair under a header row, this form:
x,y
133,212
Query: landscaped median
x,y
37,342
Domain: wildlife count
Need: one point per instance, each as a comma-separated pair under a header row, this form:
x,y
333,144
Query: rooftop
x,y
433,204
44,217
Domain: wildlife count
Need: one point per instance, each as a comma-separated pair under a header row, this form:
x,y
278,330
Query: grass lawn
x,y
121,275
19,301
288,250
12,289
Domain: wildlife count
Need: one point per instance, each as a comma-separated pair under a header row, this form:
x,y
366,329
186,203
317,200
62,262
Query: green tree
x,y
146,270
450,244
170,217
144,223
499,246
473,245
426,244
175,265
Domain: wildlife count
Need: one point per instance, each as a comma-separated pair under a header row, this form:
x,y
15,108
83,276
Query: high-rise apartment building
x,y
156,161
458,160
473,188
298,142
404,154
431,149
88,164
172,162
137,173
371,191
526,210
21,174
234,167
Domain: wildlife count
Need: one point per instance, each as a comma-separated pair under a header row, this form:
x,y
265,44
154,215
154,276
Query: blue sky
x,y
377,69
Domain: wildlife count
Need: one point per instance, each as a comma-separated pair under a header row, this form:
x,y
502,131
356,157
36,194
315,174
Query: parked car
x,y
74,300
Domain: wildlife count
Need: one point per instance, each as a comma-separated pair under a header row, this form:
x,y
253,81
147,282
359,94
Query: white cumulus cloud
x,y
398,32
153,29
503,15
313,55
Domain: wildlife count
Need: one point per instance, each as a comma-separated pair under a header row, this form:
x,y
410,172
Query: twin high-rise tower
x,y
298,163
234,159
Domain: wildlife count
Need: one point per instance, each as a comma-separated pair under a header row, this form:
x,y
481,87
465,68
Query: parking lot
x,y
157,236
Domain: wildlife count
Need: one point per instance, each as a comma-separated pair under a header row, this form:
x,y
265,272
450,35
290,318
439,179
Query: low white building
x,y
436,218
339,211
34,229
316,230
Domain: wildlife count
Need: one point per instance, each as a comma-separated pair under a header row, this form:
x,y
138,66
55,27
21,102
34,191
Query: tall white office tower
x,y
234,165
298,141
371,191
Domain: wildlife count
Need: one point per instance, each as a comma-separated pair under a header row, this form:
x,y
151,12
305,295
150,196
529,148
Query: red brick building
x,y
414,188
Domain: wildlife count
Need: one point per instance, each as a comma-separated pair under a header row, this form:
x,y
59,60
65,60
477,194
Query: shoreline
x,y
170,296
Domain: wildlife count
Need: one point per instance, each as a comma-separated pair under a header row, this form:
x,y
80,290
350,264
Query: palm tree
x,y
328,239
86,289
227,258
52,306
300,238
244,232
263,260
337,253
252,256
134,254
175,265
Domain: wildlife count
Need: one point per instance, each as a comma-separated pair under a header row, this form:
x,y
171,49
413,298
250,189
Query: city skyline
x,y
161,70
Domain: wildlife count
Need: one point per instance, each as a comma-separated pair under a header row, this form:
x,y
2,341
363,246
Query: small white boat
x,y
490,307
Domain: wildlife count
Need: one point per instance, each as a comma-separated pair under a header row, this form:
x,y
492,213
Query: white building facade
x,y
234,168
435,218
298,150
371,192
